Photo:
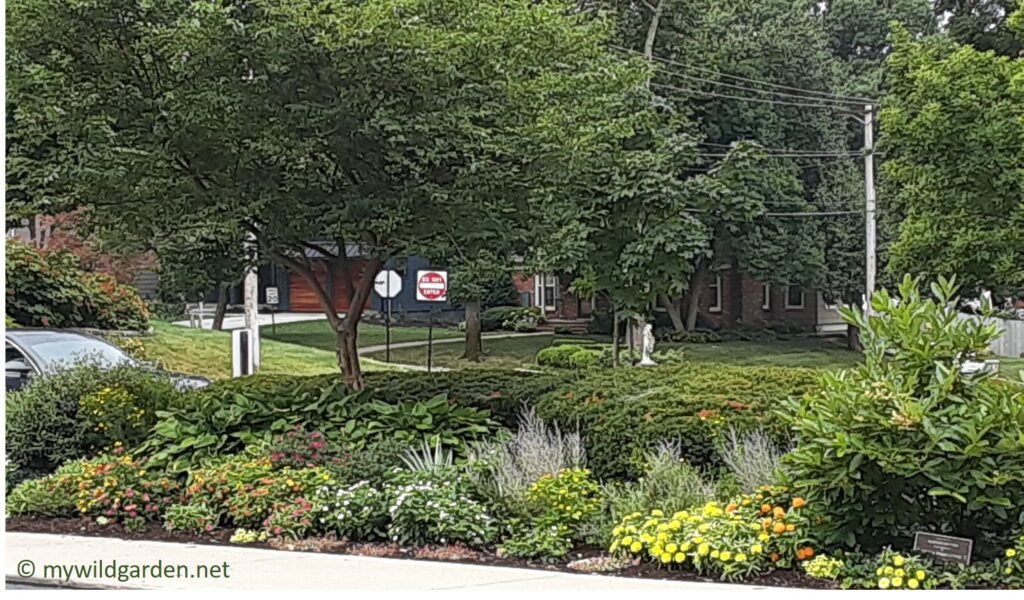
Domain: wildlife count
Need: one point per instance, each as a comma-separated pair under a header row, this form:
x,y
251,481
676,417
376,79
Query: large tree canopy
x,y
953,132
322,129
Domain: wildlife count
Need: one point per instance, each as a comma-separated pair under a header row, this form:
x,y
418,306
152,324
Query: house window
x,y
546,290
766,296
716,294
794,297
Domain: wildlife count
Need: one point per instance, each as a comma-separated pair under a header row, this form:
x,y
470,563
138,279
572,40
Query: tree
x,y
953,132
983,24
325,130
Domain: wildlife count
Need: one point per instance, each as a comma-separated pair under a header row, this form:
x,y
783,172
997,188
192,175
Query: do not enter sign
x,y
432,286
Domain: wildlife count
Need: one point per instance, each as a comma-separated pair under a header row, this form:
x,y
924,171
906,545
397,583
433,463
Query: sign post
x,y
431,286
387,284
273,300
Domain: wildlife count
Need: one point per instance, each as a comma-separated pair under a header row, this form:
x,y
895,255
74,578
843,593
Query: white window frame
x,y
540,282
766,296
716,307
803,299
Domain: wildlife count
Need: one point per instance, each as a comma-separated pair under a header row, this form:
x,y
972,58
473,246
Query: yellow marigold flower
x,y
889,571
898,560
897,581
740,557
1010,553
920,575
614,546
703,549
657,513
636,547
617,530
686,546
756,549
764,537
714,554
880,571
674,525
680,557
698,540
913,584
900,572
666,557
626,541
671,547
883,583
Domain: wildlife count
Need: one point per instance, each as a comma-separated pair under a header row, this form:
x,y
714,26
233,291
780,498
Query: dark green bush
x,y
46,427
623,413
691,337
49,289
908,441
510,318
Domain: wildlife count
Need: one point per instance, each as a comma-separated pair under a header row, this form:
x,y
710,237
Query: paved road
x,y
252,568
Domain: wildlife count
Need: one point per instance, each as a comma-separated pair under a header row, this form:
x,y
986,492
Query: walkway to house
x,y
30,554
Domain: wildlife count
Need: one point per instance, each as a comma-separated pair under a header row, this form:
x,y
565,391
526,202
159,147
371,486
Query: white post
x,y
251,292
871,234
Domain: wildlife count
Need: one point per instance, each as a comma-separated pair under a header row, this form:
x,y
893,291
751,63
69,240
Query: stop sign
x,y
432,286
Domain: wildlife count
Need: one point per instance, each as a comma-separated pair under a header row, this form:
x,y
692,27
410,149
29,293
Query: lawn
x,y
520,352
318,334
208,353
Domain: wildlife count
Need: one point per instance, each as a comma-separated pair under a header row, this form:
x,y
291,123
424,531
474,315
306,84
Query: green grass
x,y
520,352
208,353
318,334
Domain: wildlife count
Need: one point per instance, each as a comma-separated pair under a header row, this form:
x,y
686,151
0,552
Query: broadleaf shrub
x,y
622,414
58,417
568,356
49,289
908,441
511,318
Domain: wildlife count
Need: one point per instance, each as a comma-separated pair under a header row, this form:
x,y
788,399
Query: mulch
x,y
153,532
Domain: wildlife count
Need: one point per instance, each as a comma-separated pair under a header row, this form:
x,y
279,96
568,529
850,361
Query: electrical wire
x,y
746,99
755,90
823,95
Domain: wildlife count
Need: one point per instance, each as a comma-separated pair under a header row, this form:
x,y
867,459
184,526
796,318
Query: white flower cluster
x,y
349,510
428,511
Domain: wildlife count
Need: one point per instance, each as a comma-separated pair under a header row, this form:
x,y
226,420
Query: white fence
x,y
1011,343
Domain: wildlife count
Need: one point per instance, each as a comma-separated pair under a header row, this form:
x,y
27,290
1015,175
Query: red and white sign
x,y
432,286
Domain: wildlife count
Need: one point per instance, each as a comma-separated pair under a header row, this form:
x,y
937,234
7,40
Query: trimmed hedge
x,y
568,356
622,413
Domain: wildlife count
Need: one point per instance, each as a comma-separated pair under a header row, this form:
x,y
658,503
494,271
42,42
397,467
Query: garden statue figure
x,y
648,346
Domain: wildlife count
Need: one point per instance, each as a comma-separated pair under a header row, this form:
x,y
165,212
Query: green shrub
x,y
568,356
907,441
624,413
566,498
47,426
49,289
691,337
120,488
510,318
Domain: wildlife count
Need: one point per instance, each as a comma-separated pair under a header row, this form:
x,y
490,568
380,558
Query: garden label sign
x,y
432,286
945,547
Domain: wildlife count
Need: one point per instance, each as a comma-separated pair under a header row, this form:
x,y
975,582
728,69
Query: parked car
x,y
33,353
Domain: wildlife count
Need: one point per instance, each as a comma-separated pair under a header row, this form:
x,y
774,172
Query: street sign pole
x,y
387,284
387,326
430,341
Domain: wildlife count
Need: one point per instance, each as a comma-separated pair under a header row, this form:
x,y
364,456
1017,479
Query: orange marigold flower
x,y
780,528
766,523
775,557
731,507
790,527
779,512
799,502
766,508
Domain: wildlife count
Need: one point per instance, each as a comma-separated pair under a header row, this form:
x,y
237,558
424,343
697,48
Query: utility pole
x,y
871,232
251,297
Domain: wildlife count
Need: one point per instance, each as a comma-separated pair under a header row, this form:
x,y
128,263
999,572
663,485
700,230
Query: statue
x,y
648,346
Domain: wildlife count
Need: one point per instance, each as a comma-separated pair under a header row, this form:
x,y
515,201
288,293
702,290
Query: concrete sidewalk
x,y
29,554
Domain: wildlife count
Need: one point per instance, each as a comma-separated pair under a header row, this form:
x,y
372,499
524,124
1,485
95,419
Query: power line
x,y
755,90
761,100
808,155
750,80
827,213
781,150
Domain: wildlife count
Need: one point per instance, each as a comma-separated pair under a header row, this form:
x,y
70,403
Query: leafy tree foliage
x,y
953,131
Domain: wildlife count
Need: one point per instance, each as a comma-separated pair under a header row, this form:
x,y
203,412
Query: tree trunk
x,y
474,343
693,304
673,312
222,306
615,338
853,338
345,329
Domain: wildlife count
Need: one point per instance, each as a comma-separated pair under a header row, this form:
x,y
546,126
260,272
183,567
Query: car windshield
x,y
61,349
